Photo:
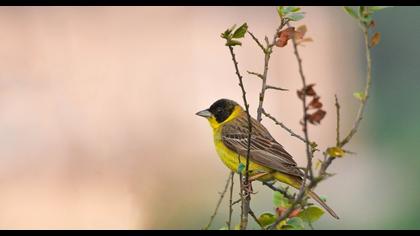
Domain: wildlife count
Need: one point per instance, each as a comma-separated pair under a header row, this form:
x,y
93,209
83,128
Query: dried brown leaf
x,y
316,117
309,91
284,36
315,103
375,39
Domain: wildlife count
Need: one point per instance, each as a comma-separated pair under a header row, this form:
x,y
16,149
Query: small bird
x,y
268,160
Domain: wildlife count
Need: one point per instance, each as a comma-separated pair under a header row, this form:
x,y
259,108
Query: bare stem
x,y
308,169
283,126
280,190
267,54
305,120
256,219
275,88
256,40
222,195
337,106
362,106
230,200
247,195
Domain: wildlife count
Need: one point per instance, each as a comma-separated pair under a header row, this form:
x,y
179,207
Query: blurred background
x,y
98,128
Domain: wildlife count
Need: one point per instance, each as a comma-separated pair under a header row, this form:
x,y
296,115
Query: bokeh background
x,y
97,124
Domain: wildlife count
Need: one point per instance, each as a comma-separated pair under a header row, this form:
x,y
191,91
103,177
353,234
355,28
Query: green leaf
x,y
295,9
232,42
240,32
224,228
294,223
367,19
361,12
351,12
311,214
296,16
360,95
227,33
289,9
280,10
280,225
279,200
378,8
267,218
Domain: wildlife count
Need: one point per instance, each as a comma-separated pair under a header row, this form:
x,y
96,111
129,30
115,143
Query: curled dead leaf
x,y
315,103
308,91
316,117
284,36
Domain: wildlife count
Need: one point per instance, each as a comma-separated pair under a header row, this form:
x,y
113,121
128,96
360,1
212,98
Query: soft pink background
x,y
97,111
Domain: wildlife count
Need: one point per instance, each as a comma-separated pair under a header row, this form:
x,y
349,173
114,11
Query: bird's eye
x,y
219,110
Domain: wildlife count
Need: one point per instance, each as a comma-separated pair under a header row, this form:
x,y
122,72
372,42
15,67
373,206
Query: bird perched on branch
x,y
267,158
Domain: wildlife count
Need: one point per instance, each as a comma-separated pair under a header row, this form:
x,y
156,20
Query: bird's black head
x,y
221,110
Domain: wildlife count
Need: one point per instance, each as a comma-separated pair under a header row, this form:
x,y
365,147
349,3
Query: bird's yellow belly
x,y
231,160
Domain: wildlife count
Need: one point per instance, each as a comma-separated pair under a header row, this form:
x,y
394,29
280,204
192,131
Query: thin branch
x,y
256,219
237,201
267,54
362,106
275,88
305,120
222,195
283,126
337,106
257,41
247,197
284,192
255,73
297,201
230,200
302,189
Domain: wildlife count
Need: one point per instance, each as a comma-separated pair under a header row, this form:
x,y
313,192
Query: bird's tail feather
x,y
314,196
296,183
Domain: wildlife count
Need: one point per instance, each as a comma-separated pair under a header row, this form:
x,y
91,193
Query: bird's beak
x,y
204,113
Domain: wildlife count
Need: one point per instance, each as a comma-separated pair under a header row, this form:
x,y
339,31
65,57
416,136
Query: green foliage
x,y
351,12
296,16
232,42
279,200
290,12
311,214
360,96
377,8
238,33
293,223
364,13
266,219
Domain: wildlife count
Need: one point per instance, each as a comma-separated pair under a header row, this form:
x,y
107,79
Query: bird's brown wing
x,y
264,149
